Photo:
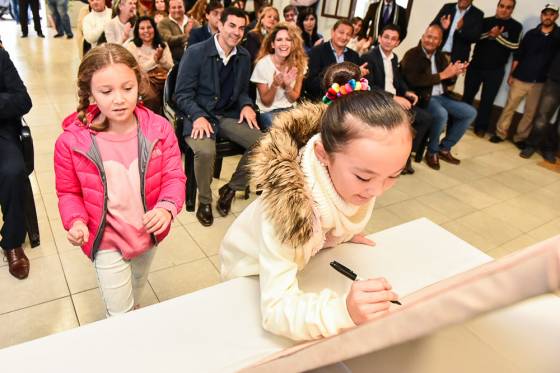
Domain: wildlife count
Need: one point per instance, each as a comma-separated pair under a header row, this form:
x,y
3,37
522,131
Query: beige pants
x,y
517,92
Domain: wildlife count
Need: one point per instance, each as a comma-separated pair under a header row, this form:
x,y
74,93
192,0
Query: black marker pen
x,y
352,276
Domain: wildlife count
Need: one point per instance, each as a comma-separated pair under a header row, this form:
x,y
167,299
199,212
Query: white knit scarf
x,y
340,220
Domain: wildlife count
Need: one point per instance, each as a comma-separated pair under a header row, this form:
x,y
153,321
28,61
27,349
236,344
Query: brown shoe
x,y
224,202
445,155
17,262
432,160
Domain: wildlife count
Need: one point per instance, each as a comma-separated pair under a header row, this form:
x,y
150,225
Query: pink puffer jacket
x,y
80,178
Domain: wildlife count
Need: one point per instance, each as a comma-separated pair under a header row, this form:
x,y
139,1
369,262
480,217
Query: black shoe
x,y
479,132
527,152
69,36
408,170
40,34
58,36
224,202
496,139
549,156
204,214
23,35
520,144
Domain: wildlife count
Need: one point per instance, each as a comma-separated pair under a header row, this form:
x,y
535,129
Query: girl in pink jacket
x,y
119,178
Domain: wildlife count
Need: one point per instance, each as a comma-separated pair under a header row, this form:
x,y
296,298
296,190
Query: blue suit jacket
x,y
199,34
198,85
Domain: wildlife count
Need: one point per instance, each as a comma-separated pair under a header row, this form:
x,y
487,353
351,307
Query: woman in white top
x,y
359,45
117,30
320,169
278,74
154,58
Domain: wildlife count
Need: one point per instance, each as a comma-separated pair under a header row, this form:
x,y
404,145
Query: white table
x,y
218,329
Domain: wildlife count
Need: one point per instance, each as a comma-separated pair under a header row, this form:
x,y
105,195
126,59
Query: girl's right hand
x,y
78,233
368,298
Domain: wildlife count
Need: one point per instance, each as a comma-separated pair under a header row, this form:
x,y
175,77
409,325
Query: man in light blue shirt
x,y
462,26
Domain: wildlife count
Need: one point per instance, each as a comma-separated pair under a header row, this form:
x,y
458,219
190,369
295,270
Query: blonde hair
x,y
297,57
198,11
259,27
95,60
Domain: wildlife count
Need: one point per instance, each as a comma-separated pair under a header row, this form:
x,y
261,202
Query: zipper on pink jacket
x,y
142,168
98,234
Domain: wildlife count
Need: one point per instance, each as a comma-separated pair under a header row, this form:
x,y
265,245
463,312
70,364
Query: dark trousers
x,y
490,81
544,134
422,123
34,4
12,179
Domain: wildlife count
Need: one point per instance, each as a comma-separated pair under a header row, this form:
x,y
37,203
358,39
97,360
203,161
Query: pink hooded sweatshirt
x,y
81,183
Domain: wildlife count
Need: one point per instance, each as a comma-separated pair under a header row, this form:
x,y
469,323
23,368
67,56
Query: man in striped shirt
x,y
501,35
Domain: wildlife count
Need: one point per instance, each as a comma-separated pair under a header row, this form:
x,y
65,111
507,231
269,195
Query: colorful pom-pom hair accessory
x,y
336,90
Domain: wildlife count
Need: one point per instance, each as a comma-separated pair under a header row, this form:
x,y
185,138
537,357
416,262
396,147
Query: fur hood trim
x,y
275,167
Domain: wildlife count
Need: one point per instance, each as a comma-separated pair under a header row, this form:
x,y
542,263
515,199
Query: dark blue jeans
x,y
266,118
441,108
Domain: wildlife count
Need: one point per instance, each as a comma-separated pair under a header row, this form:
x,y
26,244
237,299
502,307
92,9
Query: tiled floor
x,y
495,200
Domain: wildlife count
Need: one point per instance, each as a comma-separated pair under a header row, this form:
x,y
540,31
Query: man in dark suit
x,y
381,14
327,54
211,92
214,11
462,26
14,103
384,74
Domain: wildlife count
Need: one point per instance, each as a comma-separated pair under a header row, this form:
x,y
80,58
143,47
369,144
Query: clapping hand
x,y
460,24
126,30
495,32
158,53
289,77
454,69
364,70
277,79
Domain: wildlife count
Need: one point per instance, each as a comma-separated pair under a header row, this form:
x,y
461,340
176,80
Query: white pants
x,y
121,281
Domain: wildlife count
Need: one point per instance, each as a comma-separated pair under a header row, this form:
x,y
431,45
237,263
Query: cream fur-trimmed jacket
x,y
298,214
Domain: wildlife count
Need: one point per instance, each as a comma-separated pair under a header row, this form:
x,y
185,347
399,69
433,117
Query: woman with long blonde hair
x,y
198,11
268,18
280,66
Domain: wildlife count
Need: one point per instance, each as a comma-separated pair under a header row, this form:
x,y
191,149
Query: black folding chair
x,y
31,223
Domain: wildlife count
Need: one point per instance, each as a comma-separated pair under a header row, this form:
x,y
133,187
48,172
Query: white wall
x,y
527,12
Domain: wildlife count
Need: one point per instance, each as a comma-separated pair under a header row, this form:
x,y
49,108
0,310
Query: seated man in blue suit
x,y
211,92
214,11
327,54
